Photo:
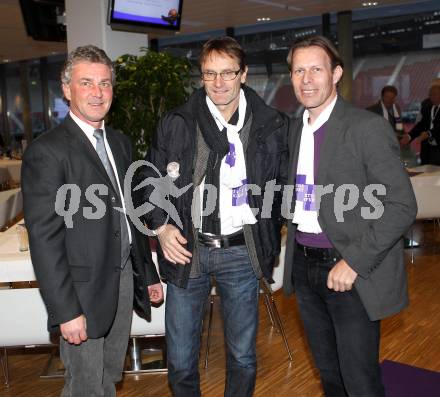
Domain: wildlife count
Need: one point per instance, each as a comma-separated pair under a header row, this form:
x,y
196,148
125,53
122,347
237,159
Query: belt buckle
x,y
217,243
304,248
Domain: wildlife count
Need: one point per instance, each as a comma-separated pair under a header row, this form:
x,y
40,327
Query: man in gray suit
x,y
352,203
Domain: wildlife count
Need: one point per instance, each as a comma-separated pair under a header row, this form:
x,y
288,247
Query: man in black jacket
x,y
388,108
84,251
427,130
221,141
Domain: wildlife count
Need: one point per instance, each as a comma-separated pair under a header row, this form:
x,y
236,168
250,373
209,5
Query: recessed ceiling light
x,y
264,19
370,3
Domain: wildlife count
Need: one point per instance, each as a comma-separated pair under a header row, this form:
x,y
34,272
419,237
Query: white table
x,y
4,176
427,191
11,204
14,265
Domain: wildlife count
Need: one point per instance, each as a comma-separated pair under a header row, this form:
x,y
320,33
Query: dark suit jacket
x,y
428,154
378,109
360,148
78,268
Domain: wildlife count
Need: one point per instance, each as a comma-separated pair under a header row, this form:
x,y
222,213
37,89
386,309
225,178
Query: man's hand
x,y
155,292
341,277
423,136
74,331
405,139
171,242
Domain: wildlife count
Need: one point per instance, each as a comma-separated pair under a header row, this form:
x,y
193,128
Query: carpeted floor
x,y
403,380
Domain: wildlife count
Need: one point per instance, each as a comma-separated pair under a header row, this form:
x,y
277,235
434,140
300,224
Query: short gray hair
x,y
88,53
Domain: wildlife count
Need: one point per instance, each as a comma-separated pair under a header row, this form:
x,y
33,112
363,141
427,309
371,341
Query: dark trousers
x,y
343,340
94,366
238,289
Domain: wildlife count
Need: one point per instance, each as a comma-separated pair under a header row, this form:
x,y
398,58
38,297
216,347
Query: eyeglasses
x,y
227,75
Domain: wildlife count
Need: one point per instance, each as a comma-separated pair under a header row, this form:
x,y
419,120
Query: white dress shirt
x,y
88,131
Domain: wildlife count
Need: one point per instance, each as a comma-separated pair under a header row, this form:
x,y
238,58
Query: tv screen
x,y
162,14
42,19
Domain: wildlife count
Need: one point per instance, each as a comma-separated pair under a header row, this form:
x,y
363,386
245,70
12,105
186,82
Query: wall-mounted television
x,y
43,19
140,15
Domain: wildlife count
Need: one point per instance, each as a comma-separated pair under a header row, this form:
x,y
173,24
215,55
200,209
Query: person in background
x,y
389,108
427,130
427,102
344,262
86,267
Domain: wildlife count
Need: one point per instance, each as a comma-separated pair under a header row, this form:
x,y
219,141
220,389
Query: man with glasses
x,y
223,139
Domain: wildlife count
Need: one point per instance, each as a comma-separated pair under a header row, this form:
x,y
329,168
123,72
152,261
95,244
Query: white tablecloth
x,y
11,204
14,265
426,187
4,175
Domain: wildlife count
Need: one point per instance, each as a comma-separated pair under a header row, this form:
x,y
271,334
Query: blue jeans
x,y
238,288
343,340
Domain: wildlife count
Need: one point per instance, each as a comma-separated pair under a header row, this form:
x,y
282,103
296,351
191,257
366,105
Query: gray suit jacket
x,y
361,149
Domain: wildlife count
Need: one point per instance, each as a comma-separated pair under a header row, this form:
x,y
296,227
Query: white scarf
x,y
432,141
399,124
306,214
233,169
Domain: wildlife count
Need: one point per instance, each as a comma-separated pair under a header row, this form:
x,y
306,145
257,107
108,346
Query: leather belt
x,y
321,254
222,241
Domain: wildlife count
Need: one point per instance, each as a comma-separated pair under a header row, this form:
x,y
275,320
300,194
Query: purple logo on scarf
x,y
305,193
230,157
239,194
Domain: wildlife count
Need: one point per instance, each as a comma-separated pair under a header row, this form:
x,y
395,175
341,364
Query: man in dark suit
x,y
388,108
352,203
84,251
427,130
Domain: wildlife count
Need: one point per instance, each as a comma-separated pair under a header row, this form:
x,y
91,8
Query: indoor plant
x,y
147,86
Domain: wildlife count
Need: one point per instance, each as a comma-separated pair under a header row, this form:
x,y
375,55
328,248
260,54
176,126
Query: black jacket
x,y
78,268
428,154
266,160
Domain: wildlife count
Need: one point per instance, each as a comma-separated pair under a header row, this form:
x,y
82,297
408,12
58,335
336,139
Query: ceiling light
x,y
264,19
370,4
275,4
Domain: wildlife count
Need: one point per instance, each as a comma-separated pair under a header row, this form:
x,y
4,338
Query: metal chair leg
x,y
268,307
135,355
280,327
4,364
208,339
412,245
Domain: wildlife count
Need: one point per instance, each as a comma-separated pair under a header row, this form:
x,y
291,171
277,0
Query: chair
x,y
24,322
6,210
141,330
17,207
427,191
267,290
